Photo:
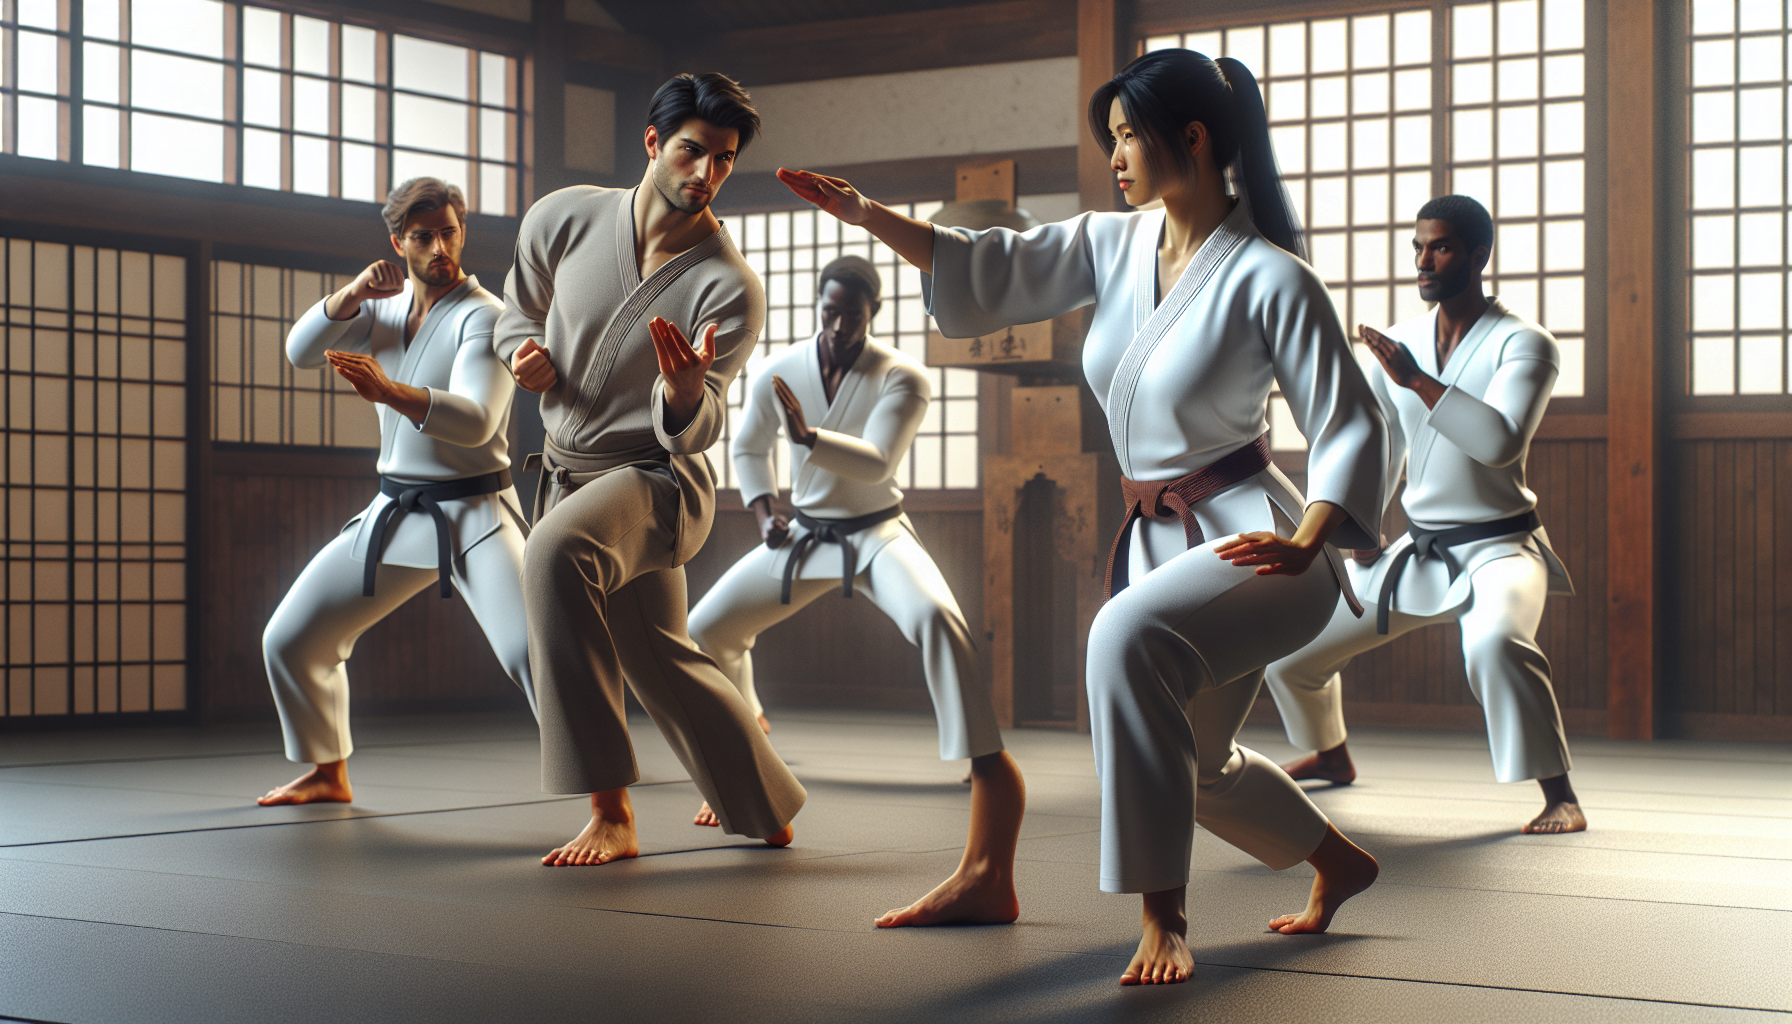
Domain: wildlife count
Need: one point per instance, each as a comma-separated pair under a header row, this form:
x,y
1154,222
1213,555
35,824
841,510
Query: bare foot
x,y
326,783
763,724
1163,957
1558,817
981,891
705,816
785,836
608,836
1561,809
1333,766
968,897
1341,869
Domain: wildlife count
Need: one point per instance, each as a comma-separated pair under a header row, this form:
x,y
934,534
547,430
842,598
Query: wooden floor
x,y
139,884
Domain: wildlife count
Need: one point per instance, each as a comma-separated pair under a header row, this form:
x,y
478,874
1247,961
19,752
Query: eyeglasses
x,y
429,237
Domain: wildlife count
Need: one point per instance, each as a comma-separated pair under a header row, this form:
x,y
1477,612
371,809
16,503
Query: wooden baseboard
x,y
1452,717
859,698
1697,725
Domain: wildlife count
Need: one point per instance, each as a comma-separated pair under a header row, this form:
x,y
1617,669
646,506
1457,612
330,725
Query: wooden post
x,y
1099,43
544,102
1632,445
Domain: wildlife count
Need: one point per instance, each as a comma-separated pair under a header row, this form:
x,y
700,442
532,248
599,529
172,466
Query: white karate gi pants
x,y
313,631
1507,671
1175,660
904,584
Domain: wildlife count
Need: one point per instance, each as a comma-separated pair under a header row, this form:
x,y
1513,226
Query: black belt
x,y
1437,544
832,531
408,497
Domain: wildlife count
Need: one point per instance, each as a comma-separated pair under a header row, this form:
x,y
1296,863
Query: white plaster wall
x,y
984,108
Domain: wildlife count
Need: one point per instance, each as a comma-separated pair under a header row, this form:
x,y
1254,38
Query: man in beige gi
x,y
601,281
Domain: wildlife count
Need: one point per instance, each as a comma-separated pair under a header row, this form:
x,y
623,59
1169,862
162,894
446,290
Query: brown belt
x,y
1173,499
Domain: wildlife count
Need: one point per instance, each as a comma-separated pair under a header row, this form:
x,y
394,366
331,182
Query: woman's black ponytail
x,y
1164,90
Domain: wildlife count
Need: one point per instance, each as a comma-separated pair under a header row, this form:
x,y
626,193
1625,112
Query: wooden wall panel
x,y
429,655
1730,600
841,652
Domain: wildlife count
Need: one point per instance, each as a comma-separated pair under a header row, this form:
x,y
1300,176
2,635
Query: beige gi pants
x,y
1507,671
607,604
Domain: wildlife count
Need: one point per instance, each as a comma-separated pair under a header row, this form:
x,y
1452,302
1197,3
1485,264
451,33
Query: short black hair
x,y
710,96
856,274
1468,217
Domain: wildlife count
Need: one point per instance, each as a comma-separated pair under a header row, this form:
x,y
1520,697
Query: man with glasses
x,y
417,344
593,308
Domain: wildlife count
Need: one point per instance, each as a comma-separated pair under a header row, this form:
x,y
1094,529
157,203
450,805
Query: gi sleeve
x,y
476,403
1496,430
1397,441
529,287
890,429
739,317
984,281
754,436
1347,438
314,333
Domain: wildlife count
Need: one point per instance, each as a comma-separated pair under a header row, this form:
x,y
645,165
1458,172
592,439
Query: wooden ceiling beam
x,y
993,33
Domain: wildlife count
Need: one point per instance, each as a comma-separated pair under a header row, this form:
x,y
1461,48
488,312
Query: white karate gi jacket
x,y
860,440
1187,383
463,435
1465,459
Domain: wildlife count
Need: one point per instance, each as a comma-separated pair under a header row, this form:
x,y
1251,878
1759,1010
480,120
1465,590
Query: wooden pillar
x,y
1101,40
1632,396
544,99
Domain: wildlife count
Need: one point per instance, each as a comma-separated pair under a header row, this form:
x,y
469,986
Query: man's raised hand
x,y
795,424
833,195
1394,357
684,369
368,378
532,369
1402,368
379,280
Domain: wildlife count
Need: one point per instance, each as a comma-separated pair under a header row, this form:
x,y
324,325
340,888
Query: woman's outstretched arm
x,y
910,238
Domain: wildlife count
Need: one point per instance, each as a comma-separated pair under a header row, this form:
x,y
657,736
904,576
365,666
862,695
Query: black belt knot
x,y
1437,544
832,531
408,498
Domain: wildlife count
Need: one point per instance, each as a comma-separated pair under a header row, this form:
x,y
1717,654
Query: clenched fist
x,y
532,369
380,280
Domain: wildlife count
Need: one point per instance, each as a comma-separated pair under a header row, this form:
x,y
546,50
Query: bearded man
x,y
417,343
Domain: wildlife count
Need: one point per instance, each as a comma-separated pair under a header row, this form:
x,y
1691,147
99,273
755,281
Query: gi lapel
x,y
1150,325
412,358
1425,436
642,293
810,391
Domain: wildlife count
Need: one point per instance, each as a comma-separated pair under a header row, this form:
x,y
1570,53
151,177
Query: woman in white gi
x,y
1200,309
868,400
420,348
1463,389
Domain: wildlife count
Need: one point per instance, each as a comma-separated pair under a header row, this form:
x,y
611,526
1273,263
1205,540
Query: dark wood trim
x,y
230,459
619,51
1571,427
1632,394
1693,725
60,195
919,179
1104,44
1163,17
955,500
1686,426
441,22
992,33
201,525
